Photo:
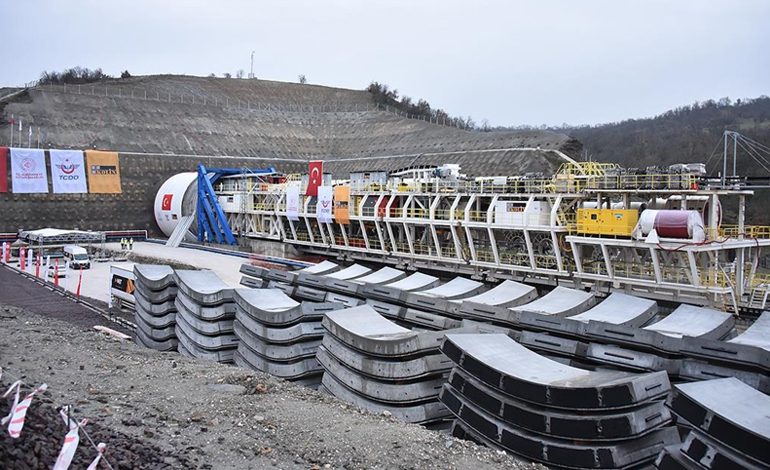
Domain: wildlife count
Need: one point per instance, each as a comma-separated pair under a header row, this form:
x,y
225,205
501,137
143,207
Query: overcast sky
x,y
511,62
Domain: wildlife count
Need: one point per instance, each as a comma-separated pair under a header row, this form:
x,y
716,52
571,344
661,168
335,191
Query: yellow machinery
x,y
615,222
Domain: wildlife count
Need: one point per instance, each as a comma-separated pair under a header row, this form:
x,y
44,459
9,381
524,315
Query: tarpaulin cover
x,y
103,172
28,173
68,171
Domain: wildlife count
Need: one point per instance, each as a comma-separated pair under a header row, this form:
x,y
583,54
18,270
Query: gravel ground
x,y
223,416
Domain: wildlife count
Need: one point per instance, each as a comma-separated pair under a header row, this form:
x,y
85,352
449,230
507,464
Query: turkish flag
x,y
165,204
315,178
3,170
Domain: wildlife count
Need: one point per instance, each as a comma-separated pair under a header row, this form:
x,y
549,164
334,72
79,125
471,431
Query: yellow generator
x,y
615,222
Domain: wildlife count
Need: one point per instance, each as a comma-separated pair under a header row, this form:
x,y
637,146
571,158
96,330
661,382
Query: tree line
x,y
385,97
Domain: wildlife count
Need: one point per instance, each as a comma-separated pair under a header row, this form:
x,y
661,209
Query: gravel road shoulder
x,y
225,416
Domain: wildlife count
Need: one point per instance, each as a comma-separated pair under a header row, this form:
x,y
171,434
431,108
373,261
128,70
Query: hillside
x,y
686,134
284,123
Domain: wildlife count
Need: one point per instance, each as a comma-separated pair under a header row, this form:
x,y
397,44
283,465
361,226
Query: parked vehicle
x,y
77,257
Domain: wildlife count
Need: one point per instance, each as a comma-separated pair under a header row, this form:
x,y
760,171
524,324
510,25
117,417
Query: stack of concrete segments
x,y
746,356
348,291
659,345
316,287
568,336
278,335
728,424
377,365
286,281
558,303
506,396
439,298
252,276
205,314
438,304
503,296
155,312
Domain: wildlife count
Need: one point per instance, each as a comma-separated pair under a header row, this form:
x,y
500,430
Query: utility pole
x,y
724,162
251,70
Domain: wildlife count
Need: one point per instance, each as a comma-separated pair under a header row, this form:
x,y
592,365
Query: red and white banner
x,y
315,177
28,173
292,202
71,441
14,386
3,169
324,208
20,412
5,252
68,171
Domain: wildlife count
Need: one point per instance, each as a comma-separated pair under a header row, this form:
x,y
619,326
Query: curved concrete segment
x,y
203,341
153,296
438,299
302,331
692,369
346,300
667,334
713,455
420,414
252,282
157,334
254,271
170,344
616,454
382,391
616,309
354,286
309,293
700,322
552,344
281,275
502,363
625,358
246,357
273,307
384,275
206,327
752,347
187,347
504,295
729,411
384,369
212,313
153,309
363,329
287,289
205,287
155,276
561,301
156,321
276,352
306,278
563,424
397,291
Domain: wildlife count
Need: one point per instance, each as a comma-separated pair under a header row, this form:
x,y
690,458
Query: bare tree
x,y
227,75
302,79
240,73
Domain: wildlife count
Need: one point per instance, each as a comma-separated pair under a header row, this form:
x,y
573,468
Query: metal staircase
x,y
758,298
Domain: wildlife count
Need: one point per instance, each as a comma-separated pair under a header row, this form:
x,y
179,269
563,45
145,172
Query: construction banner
x,y
28,173
3,169
315,177
68,172
292,202
341,204
324,207
103,172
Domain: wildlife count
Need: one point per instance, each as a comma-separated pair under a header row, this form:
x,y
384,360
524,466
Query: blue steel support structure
x,y
212,223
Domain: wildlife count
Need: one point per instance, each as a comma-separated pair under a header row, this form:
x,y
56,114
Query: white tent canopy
x,y
55,235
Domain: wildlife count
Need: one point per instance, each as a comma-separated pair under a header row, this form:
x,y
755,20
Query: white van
x,y
77,256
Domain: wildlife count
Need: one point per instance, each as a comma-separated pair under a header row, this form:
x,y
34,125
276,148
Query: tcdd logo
x,y
28,165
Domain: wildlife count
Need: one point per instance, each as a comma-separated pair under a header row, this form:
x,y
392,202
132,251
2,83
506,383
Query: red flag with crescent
x,y
315,177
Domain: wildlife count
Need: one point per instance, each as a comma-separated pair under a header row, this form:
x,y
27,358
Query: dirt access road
x,y
214,415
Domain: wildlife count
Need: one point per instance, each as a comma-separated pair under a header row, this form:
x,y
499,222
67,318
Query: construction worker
x,y
131,244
